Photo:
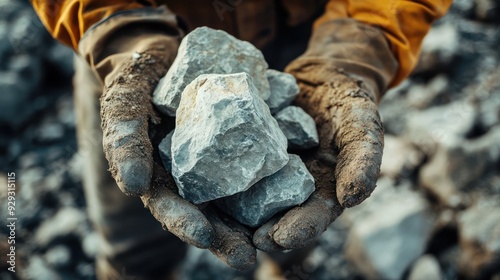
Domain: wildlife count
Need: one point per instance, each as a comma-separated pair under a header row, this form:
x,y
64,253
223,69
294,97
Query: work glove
x,y
130,52
341,76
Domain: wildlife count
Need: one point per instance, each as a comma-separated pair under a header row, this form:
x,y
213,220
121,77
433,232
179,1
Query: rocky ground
x,y
435,213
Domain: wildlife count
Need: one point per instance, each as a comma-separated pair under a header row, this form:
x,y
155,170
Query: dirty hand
x,y
136,55
347,162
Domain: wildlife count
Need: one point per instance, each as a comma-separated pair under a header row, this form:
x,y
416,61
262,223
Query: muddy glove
x,y
131,52
341,76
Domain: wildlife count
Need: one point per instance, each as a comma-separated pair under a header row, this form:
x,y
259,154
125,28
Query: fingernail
x,y
134,177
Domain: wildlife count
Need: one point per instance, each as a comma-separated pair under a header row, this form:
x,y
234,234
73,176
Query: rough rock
x,y
479,237
457,167
400,158
197,55
165,149
426,268
38,269
58,256
390,231
298,127
284,89
67,221
225,138
288,187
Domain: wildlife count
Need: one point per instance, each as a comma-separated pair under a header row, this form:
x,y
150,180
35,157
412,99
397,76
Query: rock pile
x,y
226,144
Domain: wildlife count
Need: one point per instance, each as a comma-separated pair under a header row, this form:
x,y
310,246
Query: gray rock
x,y
37,268
209,51
459,166
479,234
298,127
67,221
290,186
165,149
225,138
284,89
58,256
390,231
426,268
400,159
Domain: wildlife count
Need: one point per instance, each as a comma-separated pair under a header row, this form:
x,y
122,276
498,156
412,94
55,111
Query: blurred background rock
x,y
434,215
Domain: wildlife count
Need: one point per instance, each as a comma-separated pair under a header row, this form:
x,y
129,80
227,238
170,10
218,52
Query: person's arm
x,y
68,20
130,47
404,24
357,51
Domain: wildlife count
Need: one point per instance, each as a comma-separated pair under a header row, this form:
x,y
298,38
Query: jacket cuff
x,y
355,48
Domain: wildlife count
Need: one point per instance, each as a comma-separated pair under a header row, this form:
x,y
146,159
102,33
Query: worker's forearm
x,y
404,23
67,20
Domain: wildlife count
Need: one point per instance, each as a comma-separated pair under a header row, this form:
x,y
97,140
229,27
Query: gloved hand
x,y
130,52
341,76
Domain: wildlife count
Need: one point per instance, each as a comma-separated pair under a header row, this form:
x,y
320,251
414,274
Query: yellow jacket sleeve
x,y
67,20
404,23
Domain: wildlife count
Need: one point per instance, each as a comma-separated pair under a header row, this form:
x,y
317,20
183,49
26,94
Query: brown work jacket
x,y
403,22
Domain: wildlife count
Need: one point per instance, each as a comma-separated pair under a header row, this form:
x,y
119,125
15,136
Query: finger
x,y
232,243
303,224
262,238
359,138
125,114
177,215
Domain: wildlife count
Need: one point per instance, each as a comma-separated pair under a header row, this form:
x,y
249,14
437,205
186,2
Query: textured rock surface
x,y
479,234
225,138
390,231
290,186
298,127
209,51
284,89
165,149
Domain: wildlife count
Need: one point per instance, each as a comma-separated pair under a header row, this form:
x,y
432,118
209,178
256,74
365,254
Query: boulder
x,y
290,186
389,232
209,51
225,138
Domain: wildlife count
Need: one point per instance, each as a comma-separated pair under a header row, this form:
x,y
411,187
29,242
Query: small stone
x,y
298,127
209,51
58,256
425,268
479,236
67,221
290,186
284,89
165,149
225,138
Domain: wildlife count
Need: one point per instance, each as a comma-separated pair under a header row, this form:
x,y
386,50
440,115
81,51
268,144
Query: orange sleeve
x,y
404,23
67,20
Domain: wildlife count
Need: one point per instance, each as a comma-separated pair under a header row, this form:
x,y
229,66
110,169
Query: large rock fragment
x,y
298,127
225,138
284,89
390,231
209,51
290,186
